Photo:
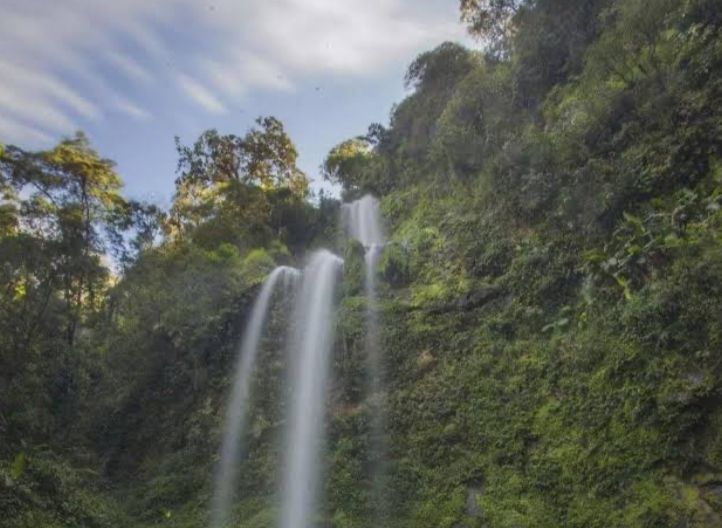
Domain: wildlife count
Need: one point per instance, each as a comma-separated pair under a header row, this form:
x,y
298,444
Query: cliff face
x,y
532,390
551,299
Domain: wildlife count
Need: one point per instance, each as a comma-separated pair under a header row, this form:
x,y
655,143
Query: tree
x,y
268,157
61,219
545,40
353,164
65,199
490,21
220,175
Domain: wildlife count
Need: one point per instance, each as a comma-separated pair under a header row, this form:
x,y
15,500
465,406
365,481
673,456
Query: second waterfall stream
x,y
362,222
309,347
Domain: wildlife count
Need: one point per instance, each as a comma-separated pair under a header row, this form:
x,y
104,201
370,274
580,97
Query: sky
x,y
135,73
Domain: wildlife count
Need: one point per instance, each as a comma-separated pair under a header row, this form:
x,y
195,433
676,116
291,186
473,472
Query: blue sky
x,y
135,73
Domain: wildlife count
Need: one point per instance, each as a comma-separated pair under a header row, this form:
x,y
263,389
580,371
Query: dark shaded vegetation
x,y
551,292
113,373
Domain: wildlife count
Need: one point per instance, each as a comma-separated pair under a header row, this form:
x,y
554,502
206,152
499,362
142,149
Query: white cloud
x,y
28,135
37,111
236,74
45,86
129,66
200,94
326,36
227,49
128,107
53,53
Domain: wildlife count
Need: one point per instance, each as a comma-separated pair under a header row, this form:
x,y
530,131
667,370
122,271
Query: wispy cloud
x,y
45,86
272,44
38,111
128,107
28,135
57,55
129,66
200,94
237,73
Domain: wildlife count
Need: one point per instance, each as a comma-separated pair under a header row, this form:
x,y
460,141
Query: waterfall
x,y
312,340
238,402
362,221
372,348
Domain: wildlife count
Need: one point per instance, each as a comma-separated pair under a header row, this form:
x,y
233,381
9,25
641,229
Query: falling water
x,y
362,221
237,410
312,339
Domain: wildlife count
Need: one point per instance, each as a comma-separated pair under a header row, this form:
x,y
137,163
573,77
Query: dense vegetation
x,y
551,293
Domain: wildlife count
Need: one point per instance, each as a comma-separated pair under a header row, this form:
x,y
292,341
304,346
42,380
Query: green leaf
x,y
17,468
634,221
634,249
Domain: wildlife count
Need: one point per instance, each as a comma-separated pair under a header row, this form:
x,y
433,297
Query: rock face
x,y
473,494
478,297
468,301
425,361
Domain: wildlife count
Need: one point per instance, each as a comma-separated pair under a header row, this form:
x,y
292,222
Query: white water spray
x,y
238,403
362,221
312,340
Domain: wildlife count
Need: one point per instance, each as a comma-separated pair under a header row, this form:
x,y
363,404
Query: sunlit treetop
x,y
490,20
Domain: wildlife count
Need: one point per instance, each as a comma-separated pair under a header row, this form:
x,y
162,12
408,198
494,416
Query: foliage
x,y
223,178
108,307
552,311
352,164
490,20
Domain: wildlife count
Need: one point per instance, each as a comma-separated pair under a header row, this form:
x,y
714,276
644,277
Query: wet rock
x,y
477,297
473,494
425,360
